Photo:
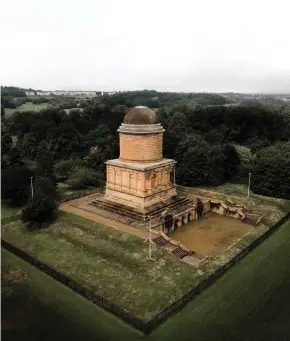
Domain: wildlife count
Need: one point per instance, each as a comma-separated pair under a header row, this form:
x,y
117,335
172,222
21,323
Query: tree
x,y
14,158
2,112
45,160
16,184
64,168
271,171
231,162
42,207
6,143
246,162
96,136
202,164
82,176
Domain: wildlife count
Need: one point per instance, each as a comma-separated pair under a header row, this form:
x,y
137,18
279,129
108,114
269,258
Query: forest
x,y
211,142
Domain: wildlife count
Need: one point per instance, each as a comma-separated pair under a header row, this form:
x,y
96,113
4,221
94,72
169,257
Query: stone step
x,y
179,252
160,241
118,210
123,210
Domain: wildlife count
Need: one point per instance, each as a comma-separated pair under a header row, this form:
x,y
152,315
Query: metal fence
x,y
80,194
144,326
79,288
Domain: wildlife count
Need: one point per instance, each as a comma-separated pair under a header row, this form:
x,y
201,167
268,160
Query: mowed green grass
x,y
250,302
39,308
111,263
28,106
7,210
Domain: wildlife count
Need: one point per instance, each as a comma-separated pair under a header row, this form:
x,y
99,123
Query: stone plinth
x,y
140,185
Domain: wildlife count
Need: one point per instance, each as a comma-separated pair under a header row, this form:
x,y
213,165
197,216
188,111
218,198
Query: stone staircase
x,y
177,251
180,253
153,211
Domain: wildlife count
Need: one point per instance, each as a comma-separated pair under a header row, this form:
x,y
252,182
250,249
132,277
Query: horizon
x,y
126,90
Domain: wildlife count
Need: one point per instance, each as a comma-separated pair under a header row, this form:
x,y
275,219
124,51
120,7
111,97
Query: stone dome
x,y
140,115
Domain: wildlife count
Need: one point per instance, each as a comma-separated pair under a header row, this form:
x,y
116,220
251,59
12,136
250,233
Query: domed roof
x,y
140,115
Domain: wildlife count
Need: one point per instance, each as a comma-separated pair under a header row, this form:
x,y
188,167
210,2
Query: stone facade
x,y
141,148
140,188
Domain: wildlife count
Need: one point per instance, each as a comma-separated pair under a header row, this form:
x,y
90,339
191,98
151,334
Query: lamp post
x,y
249,185
31,184
150,239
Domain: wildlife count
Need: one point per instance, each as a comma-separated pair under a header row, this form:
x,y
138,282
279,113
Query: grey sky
x,y
217,45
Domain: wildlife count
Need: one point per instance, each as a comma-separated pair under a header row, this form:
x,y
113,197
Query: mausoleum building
x,y
140,177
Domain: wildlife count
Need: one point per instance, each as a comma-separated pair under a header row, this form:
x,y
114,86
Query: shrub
x,y
42,207
64,168
82,176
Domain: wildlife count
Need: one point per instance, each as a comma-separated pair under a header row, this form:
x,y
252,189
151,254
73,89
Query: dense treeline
x,y
212,144
12,91
155,99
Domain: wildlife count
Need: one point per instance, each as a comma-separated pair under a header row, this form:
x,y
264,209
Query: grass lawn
x,y
7,210
112,263
64,189
251,302
36,307
28,106
68,110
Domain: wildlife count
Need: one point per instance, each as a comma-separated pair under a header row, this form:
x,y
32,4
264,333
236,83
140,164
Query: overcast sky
x,y
217,45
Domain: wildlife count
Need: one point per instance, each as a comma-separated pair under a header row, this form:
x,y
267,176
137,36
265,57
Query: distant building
x,y
69,93
43,93
29,93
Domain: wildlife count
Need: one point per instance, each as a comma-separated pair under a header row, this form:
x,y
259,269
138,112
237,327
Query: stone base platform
x,y
133,217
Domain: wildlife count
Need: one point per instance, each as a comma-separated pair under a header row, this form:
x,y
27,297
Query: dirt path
x,y
102,220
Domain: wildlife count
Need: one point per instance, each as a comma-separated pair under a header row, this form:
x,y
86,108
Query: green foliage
x,y
6,143
97,136
63,168
99,155
15,184
40,100
45,159
42,207
12,91
12,159
82,176
246,158
155,99
191,121
205,164
271,171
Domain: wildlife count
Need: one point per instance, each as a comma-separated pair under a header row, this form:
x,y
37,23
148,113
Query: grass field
x,y
64,189
111,263
7,210
29,106
251,302
36,307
